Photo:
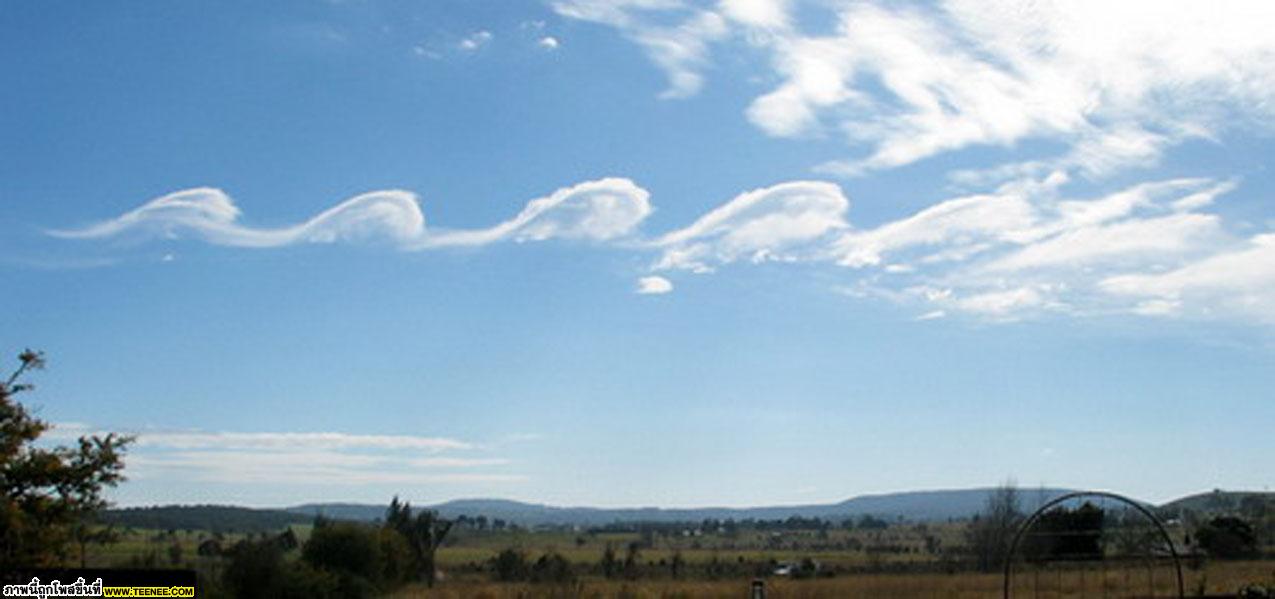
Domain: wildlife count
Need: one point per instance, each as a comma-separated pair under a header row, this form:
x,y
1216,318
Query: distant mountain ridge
x,y
916,506
1217,501
912,505
214,518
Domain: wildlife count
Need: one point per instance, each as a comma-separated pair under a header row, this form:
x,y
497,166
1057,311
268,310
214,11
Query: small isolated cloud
x,y
425,52
654,285
548,42
475,40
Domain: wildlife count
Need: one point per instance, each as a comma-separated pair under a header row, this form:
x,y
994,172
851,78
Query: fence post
x,y
759,589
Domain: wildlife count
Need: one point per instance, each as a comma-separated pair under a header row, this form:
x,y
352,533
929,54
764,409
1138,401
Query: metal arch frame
x,y
1018,536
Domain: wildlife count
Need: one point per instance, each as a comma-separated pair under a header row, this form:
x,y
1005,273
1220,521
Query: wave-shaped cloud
x,y
779,223
1020,249
601,210
211,214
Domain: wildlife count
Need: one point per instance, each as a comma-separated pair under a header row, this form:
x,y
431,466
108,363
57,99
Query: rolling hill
x,y
914,506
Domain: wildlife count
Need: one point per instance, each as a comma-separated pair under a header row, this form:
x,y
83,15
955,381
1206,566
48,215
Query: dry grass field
x,y
1214,578
845,572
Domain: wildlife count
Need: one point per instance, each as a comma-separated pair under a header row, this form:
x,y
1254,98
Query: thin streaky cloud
x,y
302,457
191,439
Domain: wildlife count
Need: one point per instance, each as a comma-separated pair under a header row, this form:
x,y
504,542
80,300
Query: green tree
x,y
510,565
346,548
1228,537
552,568
424,534
46,492
258,570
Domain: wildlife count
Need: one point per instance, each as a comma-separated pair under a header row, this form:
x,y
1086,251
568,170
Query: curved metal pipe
x,y
1018,536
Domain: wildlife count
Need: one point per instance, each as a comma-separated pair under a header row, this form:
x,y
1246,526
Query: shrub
x,y
347,549
510,565
1228,537
552,568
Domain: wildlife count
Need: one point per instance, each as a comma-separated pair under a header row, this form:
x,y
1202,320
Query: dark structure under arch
x,y
1049,505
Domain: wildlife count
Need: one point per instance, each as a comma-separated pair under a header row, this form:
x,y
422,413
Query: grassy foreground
x,y
1213,578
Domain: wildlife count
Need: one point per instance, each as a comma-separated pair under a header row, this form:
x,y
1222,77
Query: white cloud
x,y
425,52
316,468
784,222
301,457
681,49
1163,237
766,14
654,285
1239,282
1001,303
193,439
960,223
1026,247
1117,84
475,40
211,214
548,42
601,210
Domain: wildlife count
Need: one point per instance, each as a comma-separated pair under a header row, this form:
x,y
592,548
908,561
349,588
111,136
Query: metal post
x,y
759,589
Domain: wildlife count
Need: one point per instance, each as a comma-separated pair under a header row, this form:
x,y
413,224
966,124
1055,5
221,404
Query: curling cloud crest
x,y
1024,248
601,210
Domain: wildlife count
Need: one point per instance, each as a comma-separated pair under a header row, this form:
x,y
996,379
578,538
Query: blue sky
x,y
645,252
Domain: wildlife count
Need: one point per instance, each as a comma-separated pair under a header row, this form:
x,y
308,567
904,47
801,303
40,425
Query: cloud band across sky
x,y
305,458
1024,248
601,210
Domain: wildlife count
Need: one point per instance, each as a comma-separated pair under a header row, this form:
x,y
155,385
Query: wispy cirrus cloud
x,y
1117,84
1026,249
303,457
1107,88
674,34
1237,282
